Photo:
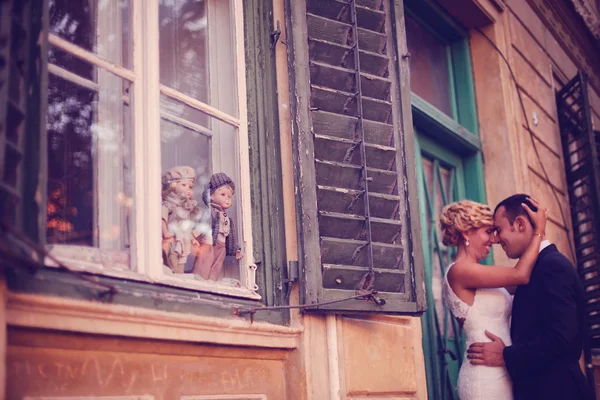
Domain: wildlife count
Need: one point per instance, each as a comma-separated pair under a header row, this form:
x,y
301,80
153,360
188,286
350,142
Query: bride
x,y
476,294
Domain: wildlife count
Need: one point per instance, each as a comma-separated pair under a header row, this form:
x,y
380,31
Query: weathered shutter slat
x,y
354,210
582,164
340,150
22,116
343,126
346,276
15,38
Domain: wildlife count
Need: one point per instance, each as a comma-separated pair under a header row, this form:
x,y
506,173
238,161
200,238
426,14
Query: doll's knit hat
x,y
220,179
179,174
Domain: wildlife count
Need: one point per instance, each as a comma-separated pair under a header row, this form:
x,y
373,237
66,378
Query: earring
x,y
467,243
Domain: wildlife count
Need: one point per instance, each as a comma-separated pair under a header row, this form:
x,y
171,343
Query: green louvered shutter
x,y
22,114
355,170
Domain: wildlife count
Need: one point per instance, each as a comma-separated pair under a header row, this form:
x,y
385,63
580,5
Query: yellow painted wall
x,y
541,66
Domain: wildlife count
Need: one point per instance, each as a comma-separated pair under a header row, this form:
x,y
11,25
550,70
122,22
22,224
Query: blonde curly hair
x,y
462,216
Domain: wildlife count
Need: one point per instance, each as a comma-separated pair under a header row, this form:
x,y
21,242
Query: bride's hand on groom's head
x,y
488,353
538,217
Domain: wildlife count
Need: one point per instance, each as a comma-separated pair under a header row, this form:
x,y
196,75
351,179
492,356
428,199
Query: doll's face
x,y
223,197
184,188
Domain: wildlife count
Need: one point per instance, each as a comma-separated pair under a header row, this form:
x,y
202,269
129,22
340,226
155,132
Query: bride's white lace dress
x,y
490,311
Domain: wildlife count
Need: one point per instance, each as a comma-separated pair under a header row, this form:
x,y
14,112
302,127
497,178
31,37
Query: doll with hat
x,y
181,227
219,196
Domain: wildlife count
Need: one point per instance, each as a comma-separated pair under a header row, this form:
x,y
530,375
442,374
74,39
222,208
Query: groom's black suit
x,y
547,332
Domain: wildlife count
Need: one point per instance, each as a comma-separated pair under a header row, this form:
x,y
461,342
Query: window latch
x,y
292,277
274,36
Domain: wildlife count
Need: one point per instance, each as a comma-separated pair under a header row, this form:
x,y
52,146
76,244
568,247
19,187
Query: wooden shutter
x,y
581,149
354,144
22,113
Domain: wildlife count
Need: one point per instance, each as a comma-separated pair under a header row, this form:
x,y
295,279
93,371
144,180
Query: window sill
x,y
94,261
57,313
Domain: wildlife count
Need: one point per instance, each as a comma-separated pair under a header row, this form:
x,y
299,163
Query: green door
x,y
442,181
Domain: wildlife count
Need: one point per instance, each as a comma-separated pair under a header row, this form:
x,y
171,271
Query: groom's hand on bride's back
x,y
489,353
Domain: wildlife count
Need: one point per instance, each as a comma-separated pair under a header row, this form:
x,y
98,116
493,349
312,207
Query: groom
x,y
547,317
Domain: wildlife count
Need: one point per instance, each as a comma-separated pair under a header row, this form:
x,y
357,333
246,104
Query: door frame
x,y
447,137
433,338
437,141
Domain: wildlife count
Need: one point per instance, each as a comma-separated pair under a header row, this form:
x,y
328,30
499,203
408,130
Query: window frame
x,y
261,186
456,40
146,31
461,132
146,86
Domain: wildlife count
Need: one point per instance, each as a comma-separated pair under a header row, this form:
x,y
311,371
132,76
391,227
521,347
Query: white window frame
x,y
146,262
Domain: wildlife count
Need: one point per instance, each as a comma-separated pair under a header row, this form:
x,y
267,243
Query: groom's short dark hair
x,y
513,208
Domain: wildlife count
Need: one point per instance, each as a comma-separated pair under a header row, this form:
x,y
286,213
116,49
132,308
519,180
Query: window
x,y
355,172
89,128
440,64
129,126
429,63
200,126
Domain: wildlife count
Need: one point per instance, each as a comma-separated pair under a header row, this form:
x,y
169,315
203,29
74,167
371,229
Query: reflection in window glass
x,y
71,63
184,47
181,110
429,76
179,144
101,27
90,180
89,171
71,114
197,52
201,211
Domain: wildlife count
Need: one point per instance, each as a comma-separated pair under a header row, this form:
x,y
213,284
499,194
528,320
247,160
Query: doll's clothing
x,y
218,259
181,215
209,262
218,230
182,229
178,207
224,227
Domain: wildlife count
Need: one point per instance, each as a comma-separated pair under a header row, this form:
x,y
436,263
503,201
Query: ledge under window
x,y
98,262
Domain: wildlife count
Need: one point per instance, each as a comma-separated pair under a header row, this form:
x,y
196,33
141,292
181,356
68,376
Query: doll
x,y
181,228
219,196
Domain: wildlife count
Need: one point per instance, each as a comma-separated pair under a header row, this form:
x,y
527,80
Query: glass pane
x,y
201,205
181,110
197,50
429,76
432,173
89,169
99,26
71,63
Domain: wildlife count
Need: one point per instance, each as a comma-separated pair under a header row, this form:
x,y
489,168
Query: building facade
x,y
338,129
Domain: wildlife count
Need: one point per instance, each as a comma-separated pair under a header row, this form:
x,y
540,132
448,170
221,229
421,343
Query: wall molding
x,y
63,314
589,14
574,38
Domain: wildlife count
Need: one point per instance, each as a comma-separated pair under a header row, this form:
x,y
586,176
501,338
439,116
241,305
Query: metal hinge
x,y
293,272
274,36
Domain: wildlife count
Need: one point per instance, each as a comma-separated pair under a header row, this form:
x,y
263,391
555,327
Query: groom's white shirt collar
x,y
544,244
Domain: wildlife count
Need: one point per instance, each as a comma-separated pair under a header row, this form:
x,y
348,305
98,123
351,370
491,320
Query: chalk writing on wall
x,y
226,397
93,398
